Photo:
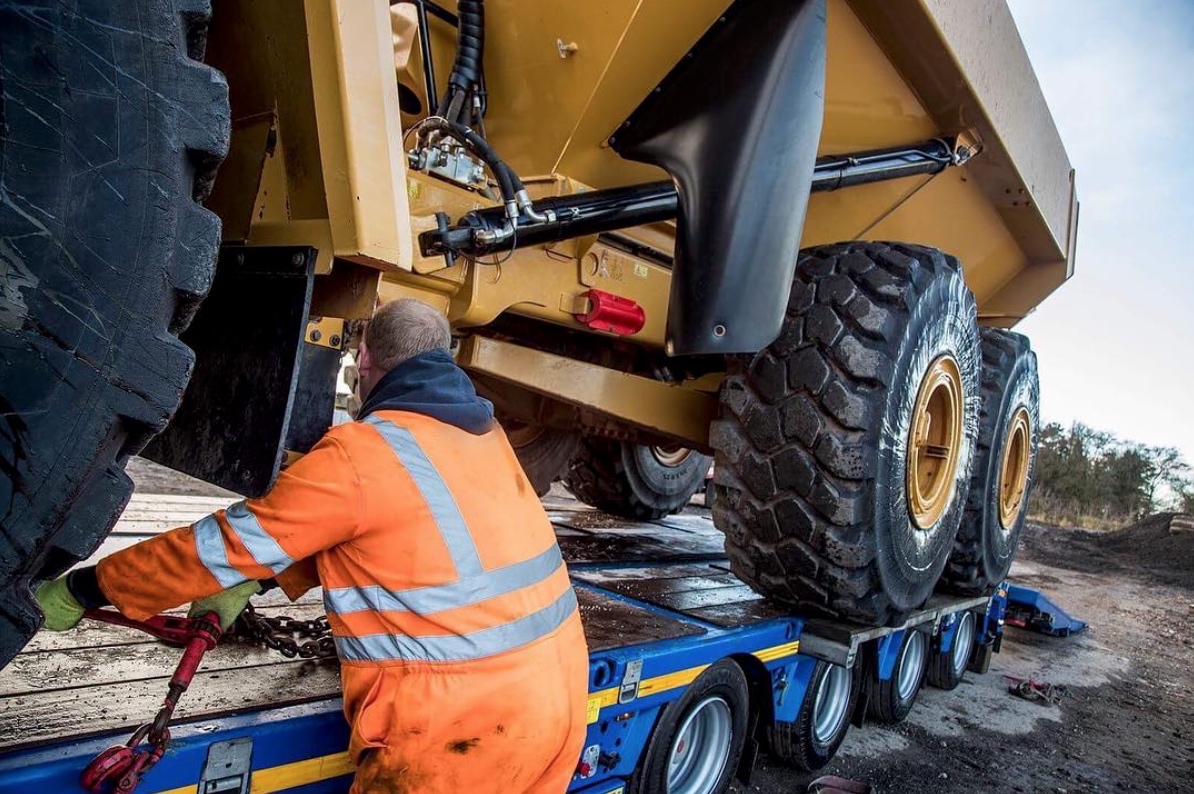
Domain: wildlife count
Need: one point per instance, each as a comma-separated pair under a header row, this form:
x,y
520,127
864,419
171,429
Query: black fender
x,y
736,124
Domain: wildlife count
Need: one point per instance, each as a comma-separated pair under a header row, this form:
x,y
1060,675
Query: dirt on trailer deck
x,y
1128,724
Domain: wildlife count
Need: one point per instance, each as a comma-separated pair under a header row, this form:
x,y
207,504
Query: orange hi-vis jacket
x,y
463,662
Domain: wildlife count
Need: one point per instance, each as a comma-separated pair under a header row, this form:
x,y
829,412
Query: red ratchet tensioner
x,y
118,769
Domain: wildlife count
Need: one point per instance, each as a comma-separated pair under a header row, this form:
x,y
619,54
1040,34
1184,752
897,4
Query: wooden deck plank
x,y
39,717
72,668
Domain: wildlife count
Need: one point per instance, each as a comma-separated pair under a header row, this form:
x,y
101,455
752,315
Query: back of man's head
x,y
403,329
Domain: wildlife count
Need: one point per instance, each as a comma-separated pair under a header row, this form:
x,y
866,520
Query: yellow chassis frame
x,y
318,159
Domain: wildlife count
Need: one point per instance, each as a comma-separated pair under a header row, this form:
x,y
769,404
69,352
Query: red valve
x,y
613,313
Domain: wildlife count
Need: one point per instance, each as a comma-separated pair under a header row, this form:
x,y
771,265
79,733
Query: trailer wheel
x,y
890,701
698,741
844,449
543,452
948,668
110,133
1005,466
636,481
812,740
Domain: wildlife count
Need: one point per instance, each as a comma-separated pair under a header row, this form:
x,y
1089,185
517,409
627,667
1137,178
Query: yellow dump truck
x,y
786,235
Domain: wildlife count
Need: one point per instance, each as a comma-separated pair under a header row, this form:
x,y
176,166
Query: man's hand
x,y
228,604
62,610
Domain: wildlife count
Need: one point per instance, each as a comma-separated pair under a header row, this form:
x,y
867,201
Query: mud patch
x,y
462,746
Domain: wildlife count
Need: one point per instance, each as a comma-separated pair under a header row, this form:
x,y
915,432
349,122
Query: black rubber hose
x,y
470,50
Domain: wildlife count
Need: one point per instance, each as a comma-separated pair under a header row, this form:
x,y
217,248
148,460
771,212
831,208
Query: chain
x,y
283,634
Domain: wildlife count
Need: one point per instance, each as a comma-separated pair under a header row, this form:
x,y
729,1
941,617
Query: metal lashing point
x,y
1013,471
934,443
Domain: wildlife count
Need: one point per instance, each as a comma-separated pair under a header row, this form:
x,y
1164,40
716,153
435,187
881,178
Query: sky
x,y
1115,344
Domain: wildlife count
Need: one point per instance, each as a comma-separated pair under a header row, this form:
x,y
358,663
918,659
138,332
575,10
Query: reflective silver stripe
x,y
439,598
209,544
259,543
435,492
459,647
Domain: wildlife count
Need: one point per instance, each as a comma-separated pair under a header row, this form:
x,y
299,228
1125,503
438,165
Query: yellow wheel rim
x,y
934,442
1013,472
671,456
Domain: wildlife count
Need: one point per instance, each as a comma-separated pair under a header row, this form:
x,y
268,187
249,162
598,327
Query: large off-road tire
x,y
110,133
1004,466
543,452
635,481
818,463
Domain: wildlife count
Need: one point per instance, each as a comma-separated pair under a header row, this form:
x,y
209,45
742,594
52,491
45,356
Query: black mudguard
x,y
736,123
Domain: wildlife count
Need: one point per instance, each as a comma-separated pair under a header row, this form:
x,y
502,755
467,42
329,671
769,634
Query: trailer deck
x,y
101,679
659,606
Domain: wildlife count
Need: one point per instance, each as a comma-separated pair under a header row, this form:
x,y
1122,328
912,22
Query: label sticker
x,y
641,270
592,710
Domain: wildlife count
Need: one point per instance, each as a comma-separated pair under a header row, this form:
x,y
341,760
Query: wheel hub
x,y
911,662
671,456
934,443
701,748
830,705
1013,472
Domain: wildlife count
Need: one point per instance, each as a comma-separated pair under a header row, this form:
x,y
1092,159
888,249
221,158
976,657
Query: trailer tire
x,y
635,481
713,713
948,668
110,133
811,741
1005,466
811,467
543,452
890,701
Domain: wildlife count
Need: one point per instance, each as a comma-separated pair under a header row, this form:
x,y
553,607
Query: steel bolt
x,y
316,336
297,259
335,340
719,330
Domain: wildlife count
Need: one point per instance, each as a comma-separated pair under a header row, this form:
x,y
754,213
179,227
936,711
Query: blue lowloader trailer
x,y
692,674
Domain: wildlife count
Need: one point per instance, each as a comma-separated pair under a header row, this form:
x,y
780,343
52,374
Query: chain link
x,y
304,639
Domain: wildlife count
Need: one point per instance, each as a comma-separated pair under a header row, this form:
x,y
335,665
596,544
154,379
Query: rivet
x,y
719,330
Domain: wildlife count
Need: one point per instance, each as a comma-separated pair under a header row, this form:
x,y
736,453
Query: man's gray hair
x,y
403,329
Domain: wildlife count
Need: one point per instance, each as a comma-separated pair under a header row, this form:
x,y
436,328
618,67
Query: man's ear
x,y
364,360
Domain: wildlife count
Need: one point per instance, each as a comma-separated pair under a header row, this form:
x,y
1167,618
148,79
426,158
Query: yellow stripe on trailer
x,y
288,776
662,683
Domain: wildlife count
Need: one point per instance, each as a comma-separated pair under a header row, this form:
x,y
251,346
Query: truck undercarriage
x,y
657,235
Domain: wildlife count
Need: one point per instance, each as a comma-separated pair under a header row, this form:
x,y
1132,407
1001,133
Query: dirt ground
x,y
1129,725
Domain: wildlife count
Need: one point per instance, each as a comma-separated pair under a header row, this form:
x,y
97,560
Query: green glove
x,y
62,610
227,604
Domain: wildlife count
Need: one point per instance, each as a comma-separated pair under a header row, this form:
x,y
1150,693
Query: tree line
x,y
1091,478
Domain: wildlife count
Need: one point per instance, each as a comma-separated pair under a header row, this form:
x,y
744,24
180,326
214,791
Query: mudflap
x,y
736,124
259,388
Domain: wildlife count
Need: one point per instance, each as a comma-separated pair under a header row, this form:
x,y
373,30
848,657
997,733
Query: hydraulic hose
x,y
465,79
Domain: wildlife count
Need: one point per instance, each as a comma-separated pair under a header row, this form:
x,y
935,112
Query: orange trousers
x,y
512,724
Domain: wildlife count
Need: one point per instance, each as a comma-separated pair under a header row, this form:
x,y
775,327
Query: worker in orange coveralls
x,y
463,662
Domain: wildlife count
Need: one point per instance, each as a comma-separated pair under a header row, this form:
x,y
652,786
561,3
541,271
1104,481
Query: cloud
x,y
1115,344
